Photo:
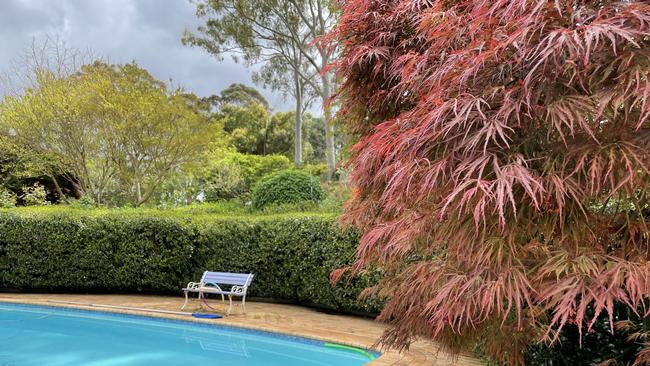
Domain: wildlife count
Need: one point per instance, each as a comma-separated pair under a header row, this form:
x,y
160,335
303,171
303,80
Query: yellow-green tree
x,y
153,133
20,167
115,128
58,115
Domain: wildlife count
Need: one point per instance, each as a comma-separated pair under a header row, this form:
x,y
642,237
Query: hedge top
x,y
195,213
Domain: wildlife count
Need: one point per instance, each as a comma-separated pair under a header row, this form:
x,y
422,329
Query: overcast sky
x,y
145,31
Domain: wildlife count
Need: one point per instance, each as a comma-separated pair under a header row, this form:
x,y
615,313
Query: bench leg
x,y
186,299
243,303
204,300
230,306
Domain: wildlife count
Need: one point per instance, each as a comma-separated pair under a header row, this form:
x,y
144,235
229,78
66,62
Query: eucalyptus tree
x,y
284,36
240,95
279,75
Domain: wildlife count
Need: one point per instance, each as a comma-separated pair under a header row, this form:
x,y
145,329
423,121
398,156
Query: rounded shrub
x,y
287,187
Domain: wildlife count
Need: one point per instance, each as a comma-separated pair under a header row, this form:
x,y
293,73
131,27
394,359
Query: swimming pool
x,y
47,336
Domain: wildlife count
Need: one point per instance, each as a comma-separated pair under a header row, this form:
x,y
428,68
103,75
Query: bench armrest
x,y
193,285
211,286
239,290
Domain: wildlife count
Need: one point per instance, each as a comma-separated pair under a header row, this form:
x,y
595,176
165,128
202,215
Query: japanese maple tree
x,y
502,165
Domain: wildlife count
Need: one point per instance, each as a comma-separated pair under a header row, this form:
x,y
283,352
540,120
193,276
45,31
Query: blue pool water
x,y
44,336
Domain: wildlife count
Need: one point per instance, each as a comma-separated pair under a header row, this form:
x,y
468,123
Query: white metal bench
x,y
215,282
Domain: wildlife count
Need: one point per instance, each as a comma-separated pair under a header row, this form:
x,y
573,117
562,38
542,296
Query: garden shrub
x,y
225,182
596,347
35,195
84,202
7,198
254,167
50,249
235,174
317,170
286,187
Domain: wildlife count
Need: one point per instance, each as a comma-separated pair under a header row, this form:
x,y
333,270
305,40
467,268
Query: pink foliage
x,y
502,163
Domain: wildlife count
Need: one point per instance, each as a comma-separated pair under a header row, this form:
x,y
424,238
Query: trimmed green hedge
x,y
113,251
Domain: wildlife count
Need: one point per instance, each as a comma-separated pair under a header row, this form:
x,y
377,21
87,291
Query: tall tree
x,y
113,127
57,116
278,74
280,137
49,54
281,32
247,126
151,131
503,164
43,61
239,95
319,17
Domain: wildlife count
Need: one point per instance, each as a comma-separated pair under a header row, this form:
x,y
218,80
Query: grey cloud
x,y
145,31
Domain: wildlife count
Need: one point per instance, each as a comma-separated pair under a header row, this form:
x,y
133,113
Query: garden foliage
x,y
235,174
7,198
127,250
34,196
507,145
287,187
113,132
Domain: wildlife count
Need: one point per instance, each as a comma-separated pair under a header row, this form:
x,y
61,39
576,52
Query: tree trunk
x,y
297,133
98,197
62,197
138,190
330,144
267,125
